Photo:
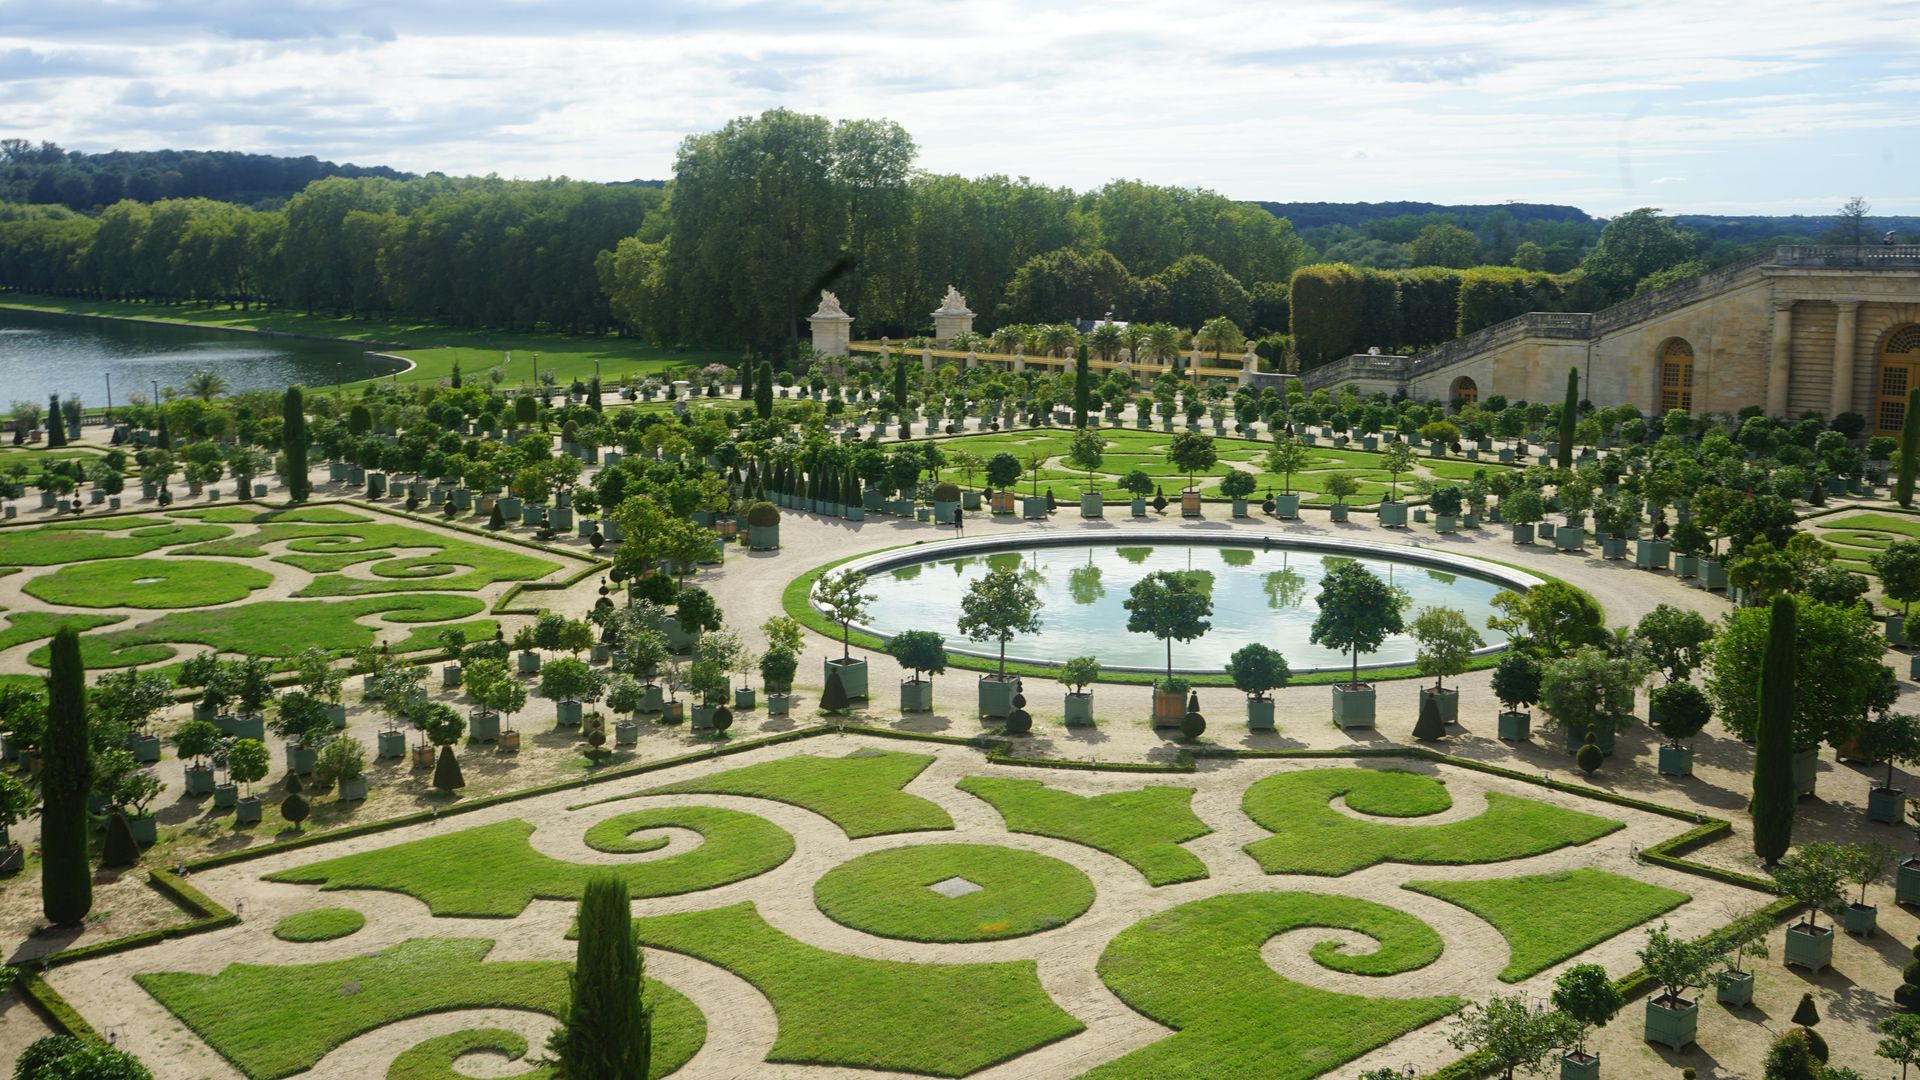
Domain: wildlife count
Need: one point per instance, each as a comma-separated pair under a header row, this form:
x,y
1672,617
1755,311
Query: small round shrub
x,y
1019,722
946,493
763,514
722,719
1590,757
1193,725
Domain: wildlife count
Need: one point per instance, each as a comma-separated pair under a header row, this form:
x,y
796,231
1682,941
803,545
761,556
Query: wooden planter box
x,y
1733,989
778,703
1189,504
853,676
1811,947
995,695
1860,919
352,788
1353,706
483,727
566,713
1259,714
1672,1023
1077,710
391,744
1886,805
1338,511
1003,502
1169,707
1676,761
1092,505
1288,506
247,811
1579,1065
1515,726
1447,700
1805,764
1393,514
423,756
916,695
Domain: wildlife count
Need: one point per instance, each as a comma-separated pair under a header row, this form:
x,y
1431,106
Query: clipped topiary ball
x,y
1589,759
946,493
1911,973
1019,722
1019,701
1193,725
763,514
1816,1044
1907,996
722,718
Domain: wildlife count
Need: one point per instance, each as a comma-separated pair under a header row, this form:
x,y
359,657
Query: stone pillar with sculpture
x,y
952,318
832,327
1249,364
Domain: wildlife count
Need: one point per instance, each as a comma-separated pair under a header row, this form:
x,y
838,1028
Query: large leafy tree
x,y
999,607
1837,652
1357,612
1171,606
1632,246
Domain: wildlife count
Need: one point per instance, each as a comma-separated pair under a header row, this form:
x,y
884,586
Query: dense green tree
x,y
1357,612
63,1057
1633,245
998,607
1171,606
66,777
606,1030
1441,244
1773,788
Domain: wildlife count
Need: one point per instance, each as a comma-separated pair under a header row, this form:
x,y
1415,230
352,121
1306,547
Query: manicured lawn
x,y
320,924
98,538
861,792
852,1012
1145,827
1547,918
434,1059
890,893
492,870
433,348
1310,837
1198,969
148,583
272,1021
247,515
270,628
1861,536
324,549
25,626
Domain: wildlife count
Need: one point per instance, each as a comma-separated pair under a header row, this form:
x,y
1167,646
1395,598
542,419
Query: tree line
x,y
50,174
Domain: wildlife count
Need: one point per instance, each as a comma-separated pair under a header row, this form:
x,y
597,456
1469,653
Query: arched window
x,y
1899,372
1465,392
1676,376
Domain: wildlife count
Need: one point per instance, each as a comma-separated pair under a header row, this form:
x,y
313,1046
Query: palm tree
x,y
1133,336
1008,338
206,384
1163,341
1105,339
1220,334
1057,338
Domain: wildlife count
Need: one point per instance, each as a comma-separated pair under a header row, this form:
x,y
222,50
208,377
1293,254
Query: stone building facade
x,y
1795,330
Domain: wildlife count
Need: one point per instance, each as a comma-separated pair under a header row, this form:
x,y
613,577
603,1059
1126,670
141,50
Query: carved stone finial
x,y
829,307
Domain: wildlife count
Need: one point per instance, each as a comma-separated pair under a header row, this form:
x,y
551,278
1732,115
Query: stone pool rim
x,y
1506,577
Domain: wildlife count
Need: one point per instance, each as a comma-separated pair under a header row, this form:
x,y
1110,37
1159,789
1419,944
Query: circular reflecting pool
x,y
1261,591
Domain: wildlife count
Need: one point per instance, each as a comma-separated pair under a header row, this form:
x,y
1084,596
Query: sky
x,y
1692,105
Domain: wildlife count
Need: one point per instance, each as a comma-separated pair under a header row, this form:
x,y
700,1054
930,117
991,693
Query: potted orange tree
x,y
1171,606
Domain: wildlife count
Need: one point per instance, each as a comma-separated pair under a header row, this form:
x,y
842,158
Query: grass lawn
x,y
270,628
99,538
492,870
852,1012
323,549
861,792
320,924
435,1058
1859,537
432,348
273,1021
1145,827
1198,969
1310,837
889,893
247,515
25,626
1547,918
148,583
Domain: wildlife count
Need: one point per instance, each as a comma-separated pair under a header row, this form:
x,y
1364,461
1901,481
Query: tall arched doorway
x,y
1898,372
1676,376
1465,392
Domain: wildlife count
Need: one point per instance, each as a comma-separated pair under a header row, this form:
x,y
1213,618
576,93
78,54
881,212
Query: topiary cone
x,y
446,771
1430,727
1807,1013
833,698
120,848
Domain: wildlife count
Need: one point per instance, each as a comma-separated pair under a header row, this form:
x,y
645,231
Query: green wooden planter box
x,y
1447,700
996,696
242,727
1805,773
1286,506
1896,629
1077,710
449,676
1569,537
1809,947
916,695
703,716
1033,507
853,676
763,537
199,780
943,512
225,796
1393,514
300,759
1733,989
1673,1028
1353,706
1338,511
651,698
1713,574
1676,761
1613,547
743,699
528,663
626,733
1138,507
1544,530
566,713
1686,566
483,727
1259,714
1445,523
970,500
1515,726
1575,1065
1860,919
1523,534
145,748
1651,554
391,744
338,714
1906,881
247,811
1092,505
777,704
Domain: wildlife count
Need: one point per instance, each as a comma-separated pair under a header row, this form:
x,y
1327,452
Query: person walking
x,y
959,516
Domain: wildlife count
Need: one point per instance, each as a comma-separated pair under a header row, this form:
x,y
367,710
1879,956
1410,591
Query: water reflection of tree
x,y
1236,556
1083,583
907,572
1134,555
1286,588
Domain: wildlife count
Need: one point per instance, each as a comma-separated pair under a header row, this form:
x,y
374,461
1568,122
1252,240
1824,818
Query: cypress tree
x,y
593,394
66,881
56,423
1082,386
454,381
1773,794
163,436
763,391
607,1030
900,383
1569,415
293,440
1909,449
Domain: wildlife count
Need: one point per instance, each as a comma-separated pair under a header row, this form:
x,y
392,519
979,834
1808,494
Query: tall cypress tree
x,y
900,383
293,440
66,775
56,423
763,391
1773,794
1909,449
607,1031
1082,386
1569,415
593,394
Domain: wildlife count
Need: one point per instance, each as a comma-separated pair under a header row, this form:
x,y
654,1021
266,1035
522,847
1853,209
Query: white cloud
x,y
1380,99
